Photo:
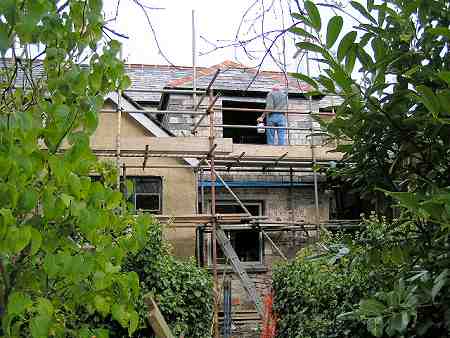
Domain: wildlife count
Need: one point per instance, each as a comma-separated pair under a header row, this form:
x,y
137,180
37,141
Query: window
x,y
147,193
239,135
248,243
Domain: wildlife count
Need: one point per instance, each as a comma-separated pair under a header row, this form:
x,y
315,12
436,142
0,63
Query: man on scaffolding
x,y
276,102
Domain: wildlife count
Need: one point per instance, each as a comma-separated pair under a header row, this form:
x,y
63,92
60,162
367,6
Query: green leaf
x,y
345,44
39,326
382,13
429,99
375,326
350,59
125,82
302,18
120,314
134,322
5,40
439,283
333,30
17,239
305,78
18,303
444,31
310,47
313,14
360,8
371,307
327,83
36,241
398,323
444,75
90,121
44,307
300,31
66,199
364,58
407,199
102,305
28,200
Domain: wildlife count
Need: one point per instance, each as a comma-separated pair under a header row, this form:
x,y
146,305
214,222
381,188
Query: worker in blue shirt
x,y
277,102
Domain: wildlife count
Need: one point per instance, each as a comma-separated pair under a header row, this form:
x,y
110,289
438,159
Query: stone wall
x,y
277,202
181,124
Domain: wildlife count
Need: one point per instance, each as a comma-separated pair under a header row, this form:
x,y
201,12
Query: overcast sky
x,y
216,20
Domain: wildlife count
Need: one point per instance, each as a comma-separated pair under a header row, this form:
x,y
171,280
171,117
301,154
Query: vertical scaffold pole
x,y
213,220
119,124
313,157
194,63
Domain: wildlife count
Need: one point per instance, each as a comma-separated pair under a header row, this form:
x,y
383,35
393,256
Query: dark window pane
x,y
246,243
147,184
147,202
237,209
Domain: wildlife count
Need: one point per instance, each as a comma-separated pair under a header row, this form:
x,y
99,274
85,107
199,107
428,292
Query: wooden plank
x,y
295,152
205,218
171,145
156,319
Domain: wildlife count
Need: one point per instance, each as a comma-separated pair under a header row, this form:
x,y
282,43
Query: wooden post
x,y
156,319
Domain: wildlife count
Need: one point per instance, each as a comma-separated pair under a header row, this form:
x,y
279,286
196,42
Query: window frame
x,y
258,263
132,196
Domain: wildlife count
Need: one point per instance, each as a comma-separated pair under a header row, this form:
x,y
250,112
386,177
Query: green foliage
x,y
182,290
311,293
391,73
63,238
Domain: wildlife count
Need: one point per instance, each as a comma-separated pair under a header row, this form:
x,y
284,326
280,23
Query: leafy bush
x,y
310,294
393,129
182,291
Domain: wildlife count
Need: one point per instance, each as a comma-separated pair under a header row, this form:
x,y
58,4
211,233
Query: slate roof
x,y
232,77
21,79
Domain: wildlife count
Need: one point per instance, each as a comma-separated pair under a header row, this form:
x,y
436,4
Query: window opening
x,y
247,243
241,135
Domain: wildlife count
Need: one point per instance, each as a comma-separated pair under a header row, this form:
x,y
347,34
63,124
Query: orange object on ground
x,y
269,319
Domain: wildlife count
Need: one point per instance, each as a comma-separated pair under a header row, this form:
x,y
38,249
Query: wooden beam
x,y
156,319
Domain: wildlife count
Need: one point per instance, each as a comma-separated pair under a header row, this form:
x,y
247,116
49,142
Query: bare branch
x,y
104,27
144,9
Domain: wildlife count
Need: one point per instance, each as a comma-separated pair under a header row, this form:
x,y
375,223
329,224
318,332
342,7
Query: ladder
x,y
249,287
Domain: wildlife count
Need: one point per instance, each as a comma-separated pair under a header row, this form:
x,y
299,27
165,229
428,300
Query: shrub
x,y
310,294
182,291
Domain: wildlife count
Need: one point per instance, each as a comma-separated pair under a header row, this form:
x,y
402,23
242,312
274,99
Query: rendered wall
x,y
179,184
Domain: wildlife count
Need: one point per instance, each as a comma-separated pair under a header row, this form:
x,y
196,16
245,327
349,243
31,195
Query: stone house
x,y
150,125
273,182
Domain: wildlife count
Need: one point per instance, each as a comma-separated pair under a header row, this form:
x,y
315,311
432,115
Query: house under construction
x,y
189,142
191,146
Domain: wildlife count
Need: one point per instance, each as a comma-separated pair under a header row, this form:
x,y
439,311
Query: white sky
x,y
215,20
173,24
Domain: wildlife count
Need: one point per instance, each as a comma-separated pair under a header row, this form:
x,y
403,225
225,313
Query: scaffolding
x,y
213,163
